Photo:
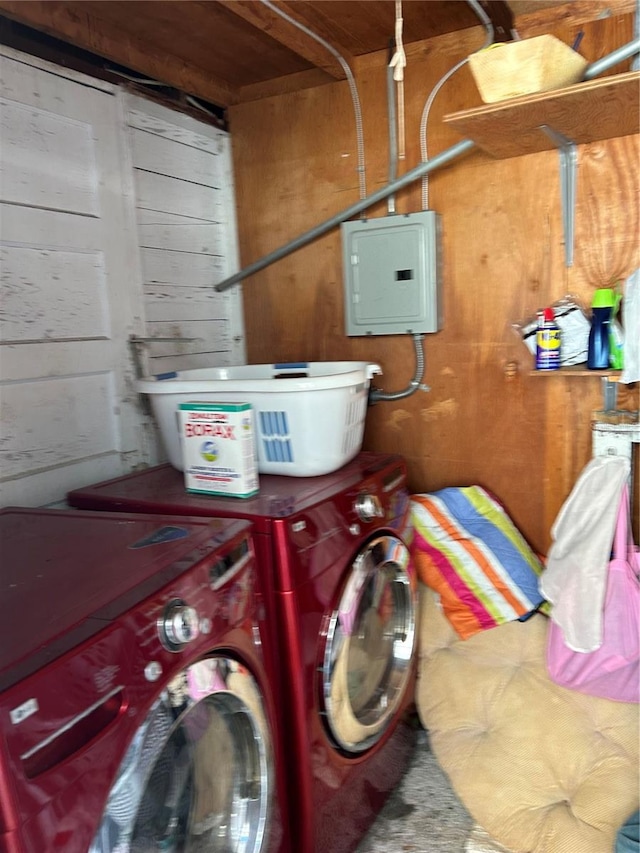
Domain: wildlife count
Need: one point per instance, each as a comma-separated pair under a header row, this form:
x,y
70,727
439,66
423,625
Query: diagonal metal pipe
x,y
436,162
442,159
600,65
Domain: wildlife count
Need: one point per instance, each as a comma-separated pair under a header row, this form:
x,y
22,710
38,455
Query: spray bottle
x,y
547,341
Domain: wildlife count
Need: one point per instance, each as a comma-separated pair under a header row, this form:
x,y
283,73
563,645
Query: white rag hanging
x,y
575,579
631,367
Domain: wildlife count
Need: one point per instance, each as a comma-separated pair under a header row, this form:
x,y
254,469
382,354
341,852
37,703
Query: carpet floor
x,y
423,815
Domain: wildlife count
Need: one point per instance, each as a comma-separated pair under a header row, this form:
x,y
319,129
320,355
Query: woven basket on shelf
x,y
511,69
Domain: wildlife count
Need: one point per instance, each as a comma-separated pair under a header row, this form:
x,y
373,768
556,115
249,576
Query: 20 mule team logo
x,y
209,451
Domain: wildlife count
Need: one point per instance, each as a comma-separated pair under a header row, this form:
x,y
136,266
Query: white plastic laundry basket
x,y
309,416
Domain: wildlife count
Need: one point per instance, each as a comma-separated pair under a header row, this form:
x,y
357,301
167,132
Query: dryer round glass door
x,y
370,644
197,775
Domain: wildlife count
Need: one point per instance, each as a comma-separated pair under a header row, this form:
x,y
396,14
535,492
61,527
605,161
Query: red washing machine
x,y
342,595
135,710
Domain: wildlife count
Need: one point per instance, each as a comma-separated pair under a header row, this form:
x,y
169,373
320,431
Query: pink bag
x,y
613,670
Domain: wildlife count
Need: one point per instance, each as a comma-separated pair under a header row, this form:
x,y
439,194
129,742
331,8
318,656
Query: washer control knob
x,y
153,671
368,507
179,625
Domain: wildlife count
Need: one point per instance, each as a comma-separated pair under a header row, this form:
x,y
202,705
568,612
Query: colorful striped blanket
x,y
466,548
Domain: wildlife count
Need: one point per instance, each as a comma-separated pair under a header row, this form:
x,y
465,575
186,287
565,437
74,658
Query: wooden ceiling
x,y
229,51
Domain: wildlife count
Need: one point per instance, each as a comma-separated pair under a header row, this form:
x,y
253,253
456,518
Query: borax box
x,y
218,448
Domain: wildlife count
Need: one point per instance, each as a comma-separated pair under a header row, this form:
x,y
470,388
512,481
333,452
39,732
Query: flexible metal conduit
x,y
376,395
635,65
352,88
436,162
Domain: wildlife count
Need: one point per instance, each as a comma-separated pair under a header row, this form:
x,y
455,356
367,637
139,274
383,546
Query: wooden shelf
x,y
597,109
580,370
618,420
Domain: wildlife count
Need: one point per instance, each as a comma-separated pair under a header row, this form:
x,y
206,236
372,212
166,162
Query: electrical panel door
x,y
392,274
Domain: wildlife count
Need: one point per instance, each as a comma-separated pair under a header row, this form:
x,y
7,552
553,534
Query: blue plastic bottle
x,y
601,309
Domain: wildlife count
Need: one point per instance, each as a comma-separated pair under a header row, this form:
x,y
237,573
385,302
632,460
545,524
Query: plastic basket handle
x,y
291,370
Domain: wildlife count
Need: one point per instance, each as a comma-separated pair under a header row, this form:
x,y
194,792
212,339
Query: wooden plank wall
x,y
187,238
68,296
485,419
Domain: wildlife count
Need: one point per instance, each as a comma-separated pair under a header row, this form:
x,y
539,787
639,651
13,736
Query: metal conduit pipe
x,y
596,68
635,65
436,162
393,135
376,396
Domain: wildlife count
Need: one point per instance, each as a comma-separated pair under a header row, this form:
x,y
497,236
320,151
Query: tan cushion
x,y
543,769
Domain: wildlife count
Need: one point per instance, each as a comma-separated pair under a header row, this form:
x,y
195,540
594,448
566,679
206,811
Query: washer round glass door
x,y
197,775
370,644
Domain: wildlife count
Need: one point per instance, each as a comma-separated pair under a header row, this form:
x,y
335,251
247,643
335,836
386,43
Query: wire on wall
x,y
397,63
352,88
486,22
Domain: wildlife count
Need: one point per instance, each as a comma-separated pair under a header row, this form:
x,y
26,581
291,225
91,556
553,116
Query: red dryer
x,y
135,710
341,597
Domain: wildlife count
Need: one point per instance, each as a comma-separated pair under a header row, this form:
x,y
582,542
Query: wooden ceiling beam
x,y
283,85
534,21
73,23
290,36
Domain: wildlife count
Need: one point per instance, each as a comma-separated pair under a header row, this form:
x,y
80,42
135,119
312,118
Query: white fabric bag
x,y
631,317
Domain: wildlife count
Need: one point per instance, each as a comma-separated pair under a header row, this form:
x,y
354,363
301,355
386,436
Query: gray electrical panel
x,y
392,274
